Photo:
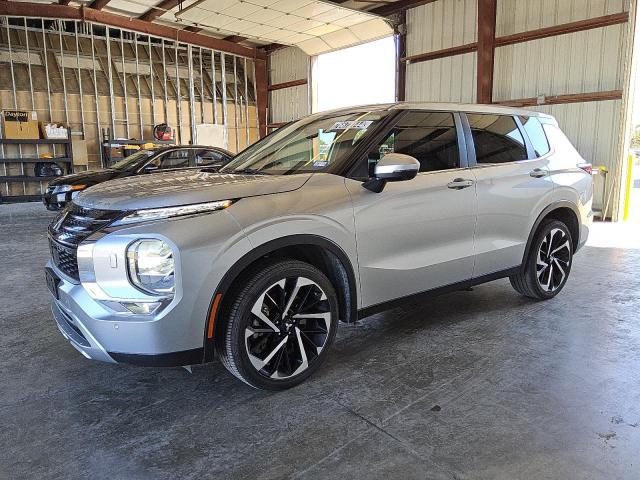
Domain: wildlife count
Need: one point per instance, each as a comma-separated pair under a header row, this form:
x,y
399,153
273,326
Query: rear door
x,y
512,183
416,235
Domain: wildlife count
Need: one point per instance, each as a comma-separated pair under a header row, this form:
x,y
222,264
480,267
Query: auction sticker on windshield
x,y
355,124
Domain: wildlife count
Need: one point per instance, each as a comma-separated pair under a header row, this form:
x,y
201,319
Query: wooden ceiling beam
x,y
399,6
153,13
235,38
97,4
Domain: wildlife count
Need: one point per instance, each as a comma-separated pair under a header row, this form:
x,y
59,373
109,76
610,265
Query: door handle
x,y
538,173
460,183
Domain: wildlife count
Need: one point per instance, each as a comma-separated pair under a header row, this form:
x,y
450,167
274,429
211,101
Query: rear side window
x,y
429,137
210,157
536,135
497,138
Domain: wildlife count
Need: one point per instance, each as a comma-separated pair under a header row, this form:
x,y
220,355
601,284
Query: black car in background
x,y
63,189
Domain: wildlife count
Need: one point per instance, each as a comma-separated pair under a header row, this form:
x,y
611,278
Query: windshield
x,y
313,144
133,161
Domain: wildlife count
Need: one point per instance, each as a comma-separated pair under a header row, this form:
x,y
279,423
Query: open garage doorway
x,y
355,76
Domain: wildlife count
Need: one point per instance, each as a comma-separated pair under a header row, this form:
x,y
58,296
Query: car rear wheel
x,y
548,264
279,326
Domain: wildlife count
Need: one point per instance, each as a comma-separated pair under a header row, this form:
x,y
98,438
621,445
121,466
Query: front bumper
x,y
78,335
100,334
204,246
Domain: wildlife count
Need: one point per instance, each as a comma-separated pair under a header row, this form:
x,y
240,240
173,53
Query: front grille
x,y
65,259
69,228
76,223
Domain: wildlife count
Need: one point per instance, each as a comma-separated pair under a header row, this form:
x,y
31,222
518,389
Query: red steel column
x,y
486,49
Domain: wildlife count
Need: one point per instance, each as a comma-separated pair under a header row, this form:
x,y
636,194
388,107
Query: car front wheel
x,y
548,264
279,326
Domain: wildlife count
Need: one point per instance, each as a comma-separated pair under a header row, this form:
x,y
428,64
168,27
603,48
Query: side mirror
x,y
150,168
393,167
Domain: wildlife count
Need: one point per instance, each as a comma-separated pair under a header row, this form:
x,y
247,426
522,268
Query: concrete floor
x,y
481,384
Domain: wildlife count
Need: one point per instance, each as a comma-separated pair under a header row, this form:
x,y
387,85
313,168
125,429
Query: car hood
x,y
183,188
88,178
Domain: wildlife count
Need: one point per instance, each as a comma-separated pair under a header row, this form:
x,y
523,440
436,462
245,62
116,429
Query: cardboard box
x,y
19,125
80,156
51,131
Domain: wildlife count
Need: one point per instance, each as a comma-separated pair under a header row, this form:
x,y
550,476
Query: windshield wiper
x,y
210,169
249,171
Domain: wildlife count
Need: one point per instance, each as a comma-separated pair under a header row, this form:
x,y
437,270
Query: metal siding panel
x,y
514,16
443,80
564,64
285,65
435,26
288,64
288,104
441,24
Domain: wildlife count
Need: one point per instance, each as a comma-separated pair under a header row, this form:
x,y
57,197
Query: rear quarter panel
x,y
572,184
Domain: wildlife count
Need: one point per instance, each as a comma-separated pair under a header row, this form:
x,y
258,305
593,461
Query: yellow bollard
x,y
627,192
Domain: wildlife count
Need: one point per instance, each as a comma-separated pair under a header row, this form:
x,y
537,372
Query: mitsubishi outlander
x,y
329,219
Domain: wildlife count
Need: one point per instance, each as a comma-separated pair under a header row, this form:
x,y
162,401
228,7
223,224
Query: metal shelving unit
x,y
67,159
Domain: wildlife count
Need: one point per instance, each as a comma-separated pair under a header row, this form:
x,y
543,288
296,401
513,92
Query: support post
x,y
109,73
225,112
262,97
235,103
192,96
214,97
401,51
486,50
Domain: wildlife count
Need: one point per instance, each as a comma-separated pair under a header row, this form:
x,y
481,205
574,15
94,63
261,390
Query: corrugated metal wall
x,y
450,79
285,65
574,63
515,16
441,24
436,26
582,62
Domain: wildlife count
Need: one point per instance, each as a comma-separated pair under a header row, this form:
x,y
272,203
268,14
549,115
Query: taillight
x,y
587,167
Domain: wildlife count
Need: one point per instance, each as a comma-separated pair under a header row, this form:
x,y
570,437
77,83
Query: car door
x,y
416,235
512,183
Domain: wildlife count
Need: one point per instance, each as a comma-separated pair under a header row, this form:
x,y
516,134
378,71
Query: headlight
x,y
69,188
151,266
150,214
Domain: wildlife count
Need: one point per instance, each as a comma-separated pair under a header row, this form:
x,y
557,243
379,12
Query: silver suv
x,y
330,218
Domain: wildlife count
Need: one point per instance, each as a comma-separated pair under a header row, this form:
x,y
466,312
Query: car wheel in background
x,y
548,264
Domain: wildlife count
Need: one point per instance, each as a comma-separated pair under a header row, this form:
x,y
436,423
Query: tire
x,y
545,274
283,350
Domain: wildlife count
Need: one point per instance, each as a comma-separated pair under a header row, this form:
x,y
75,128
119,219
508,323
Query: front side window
x,y
313,144
536,135
172,159
429,137
133,162
497,138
